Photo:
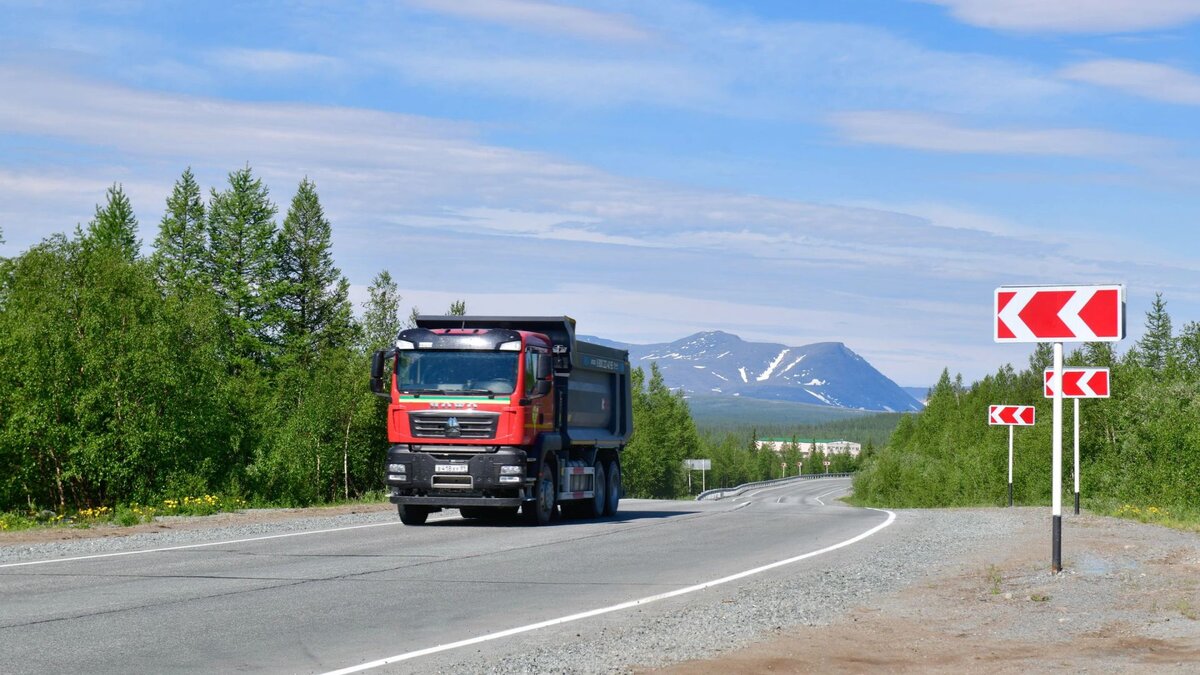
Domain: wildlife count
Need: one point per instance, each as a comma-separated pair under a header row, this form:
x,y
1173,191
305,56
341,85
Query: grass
x,y
994,578
128,515
1185,518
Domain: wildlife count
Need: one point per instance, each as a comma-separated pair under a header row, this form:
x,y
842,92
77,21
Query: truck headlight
x,y
510,479
398,477
398,468
512,470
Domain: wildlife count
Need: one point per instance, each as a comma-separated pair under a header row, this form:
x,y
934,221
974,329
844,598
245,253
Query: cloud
x,y
1074,16
919,131
543,17
452,215
1139,78
717,62
269,61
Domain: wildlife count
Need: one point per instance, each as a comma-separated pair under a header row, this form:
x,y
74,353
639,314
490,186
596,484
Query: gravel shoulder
x,y
1128,600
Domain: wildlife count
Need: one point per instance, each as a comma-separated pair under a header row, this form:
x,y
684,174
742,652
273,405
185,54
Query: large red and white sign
x,y
1059,314
1080,383
1011,415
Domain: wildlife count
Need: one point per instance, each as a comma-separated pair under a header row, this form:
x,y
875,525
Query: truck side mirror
x,y
541,388
543,366
378,359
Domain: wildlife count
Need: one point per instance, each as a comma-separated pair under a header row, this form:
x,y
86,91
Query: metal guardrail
x,y
721,493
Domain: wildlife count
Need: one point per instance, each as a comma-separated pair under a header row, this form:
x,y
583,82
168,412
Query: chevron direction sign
x,y
1011,415
1080,383
1059,314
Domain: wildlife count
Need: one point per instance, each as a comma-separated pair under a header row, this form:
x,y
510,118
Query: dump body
x,y
484,410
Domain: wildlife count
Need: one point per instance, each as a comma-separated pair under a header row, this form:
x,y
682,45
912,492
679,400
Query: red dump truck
x,y
488,414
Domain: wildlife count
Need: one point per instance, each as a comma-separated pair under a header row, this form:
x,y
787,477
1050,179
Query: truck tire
x,y
594,507
412,515
540,511
613,484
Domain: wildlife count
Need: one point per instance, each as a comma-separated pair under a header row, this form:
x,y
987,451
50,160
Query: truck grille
x,y
465,425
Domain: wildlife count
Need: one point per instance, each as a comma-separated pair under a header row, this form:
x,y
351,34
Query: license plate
x,y
450,468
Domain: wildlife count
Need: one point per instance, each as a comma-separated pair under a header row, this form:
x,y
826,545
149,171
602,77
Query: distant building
x,y
825,447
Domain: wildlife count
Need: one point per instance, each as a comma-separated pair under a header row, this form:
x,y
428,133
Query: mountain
x,y
919,393
715,363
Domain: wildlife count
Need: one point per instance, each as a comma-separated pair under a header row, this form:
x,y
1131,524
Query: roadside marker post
x,y
1011,416
1080,383
1058,314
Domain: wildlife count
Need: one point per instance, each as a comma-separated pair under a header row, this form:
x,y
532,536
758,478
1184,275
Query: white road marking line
x,y
230,541
606,610
826,494
186,546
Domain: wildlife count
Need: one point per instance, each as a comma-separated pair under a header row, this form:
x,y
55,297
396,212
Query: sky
x,y
864,172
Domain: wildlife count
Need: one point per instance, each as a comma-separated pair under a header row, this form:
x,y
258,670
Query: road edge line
x,y
612,608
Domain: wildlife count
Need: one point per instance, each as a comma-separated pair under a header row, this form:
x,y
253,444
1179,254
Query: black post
x,y
1076,503
1056,565
1010,495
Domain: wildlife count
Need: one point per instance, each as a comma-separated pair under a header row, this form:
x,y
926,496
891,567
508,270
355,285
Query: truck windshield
x,y
458,372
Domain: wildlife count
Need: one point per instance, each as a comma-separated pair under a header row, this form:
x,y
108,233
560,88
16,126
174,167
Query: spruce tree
x,y
381,319
457,308
1156,348
311,293
241,230
114,225
180,250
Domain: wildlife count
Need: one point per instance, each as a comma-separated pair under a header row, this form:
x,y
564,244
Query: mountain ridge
x,y
718,363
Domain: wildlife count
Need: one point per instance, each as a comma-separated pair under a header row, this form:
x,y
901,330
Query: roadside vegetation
x,y
1140,449
226,369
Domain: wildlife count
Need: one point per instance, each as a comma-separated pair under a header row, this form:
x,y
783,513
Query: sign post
x,y
1011,416
700,465
1058,314
1080,383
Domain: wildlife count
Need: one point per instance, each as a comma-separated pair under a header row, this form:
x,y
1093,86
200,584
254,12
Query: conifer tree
x,y
457,308
381,318
180,248
241,229
311,292
114,225
1156,349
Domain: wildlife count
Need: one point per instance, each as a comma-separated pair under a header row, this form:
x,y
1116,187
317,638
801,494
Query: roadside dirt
x,y
248,517
1128,600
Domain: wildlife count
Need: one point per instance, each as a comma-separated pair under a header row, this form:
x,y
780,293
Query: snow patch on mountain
x,y
766,374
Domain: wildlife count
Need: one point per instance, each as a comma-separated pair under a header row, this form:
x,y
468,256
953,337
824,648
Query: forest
x,y
228,367
1139,449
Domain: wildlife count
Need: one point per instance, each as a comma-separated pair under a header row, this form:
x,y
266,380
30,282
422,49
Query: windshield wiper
x,y
419,392
489,392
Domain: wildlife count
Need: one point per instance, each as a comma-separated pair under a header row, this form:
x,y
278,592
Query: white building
x,y
826,447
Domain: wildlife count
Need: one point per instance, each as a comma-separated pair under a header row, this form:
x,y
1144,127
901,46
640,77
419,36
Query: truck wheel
x,y
594,507
613,498
412,515
540,511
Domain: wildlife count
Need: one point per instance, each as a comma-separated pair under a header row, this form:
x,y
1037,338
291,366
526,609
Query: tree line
x,y
229,360
1139,447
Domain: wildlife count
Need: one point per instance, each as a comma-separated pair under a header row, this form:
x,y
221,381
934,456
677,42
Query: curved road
x,y
338,599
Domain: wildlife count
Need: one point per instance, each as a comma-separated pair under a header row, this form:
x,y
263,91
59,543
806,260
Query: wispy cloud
x,y
546,17
1139,78
720,62
1075,16
919,131
269,61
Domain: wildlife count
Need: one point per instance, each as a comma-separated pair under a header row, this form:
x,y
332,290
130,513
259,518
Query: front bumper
x,y
480,484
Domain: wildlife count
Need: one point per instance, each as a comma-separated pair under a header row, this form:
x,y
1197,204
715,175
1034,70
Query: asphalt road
x,y
327,601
